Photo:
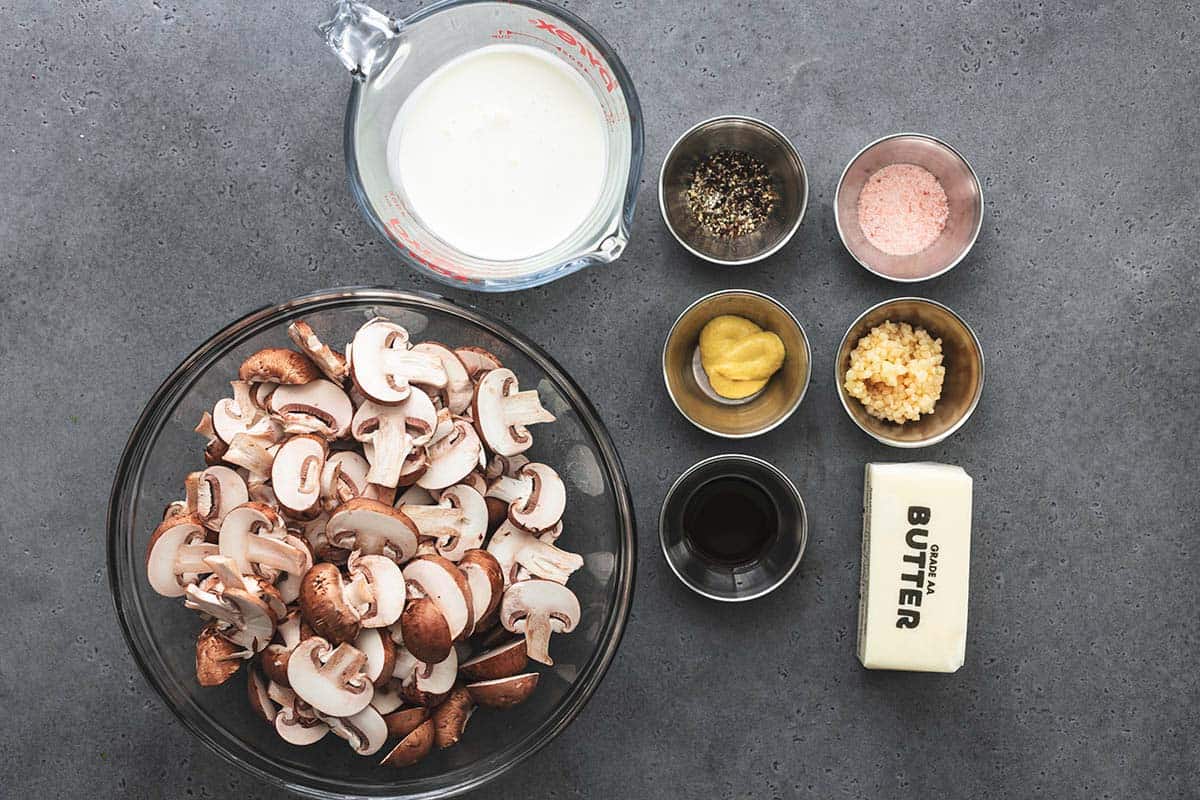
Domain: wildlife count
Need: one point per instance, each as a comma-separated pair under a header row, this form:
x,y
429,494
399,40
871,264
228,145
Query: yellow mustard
x,y
738,356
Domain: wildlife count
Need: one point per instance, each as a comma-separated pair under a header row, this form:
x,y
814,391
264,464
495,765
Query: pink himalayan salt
x,y
902,209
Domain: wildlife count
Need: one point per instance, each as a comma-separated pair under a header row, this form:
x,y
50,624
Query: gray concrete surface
x,y
167,167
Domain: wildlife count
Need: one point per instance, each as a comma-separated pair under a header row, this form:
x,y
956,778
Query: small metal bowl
x,y
756,414
962,357
963,192
751,136
733,584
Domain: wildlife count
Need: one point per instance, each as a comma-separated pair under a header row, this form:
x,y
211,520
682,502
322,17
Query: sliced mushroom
x,y
485,576
452,457
504,465
253,536
218,490
536,496
458,523
404,721
175,555
319,407
295,723
412,748
383,430
365,730
214,447
241,617
345,478
425,630
372,598
217,658
289,582
380,651
515,548
387,696
250,453
296,474
416,496
457,393
438,579
328,360
225,574
377,380
372,527
502,412
288,634
477,361
260,700
539,608
279,365
500,662
423,683
450,718
237,414
503,693
330,679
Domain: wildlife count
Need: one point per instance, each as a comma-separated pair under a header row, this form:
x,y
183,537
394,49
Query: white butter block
x,y
916,558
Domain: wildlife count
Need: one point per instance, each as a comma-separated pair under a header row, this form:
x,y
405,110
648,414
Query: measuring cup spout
x,y
361,37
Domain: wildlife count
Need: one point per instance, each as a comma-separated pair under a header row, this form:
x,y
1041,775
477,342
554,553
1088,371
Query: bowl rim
x,y
794,493
930,440
165,398
837,217
770,130
803,388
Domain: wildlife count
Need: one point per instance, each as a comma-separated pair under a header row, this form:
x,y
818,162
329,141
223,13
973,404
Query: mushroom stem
x,y
525,408
538,627
212,605
190,558
358,593
390,445
274,553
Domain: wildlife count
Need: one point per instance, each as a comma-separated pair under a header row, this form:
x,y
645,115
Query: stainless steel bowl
x,y
751,136
962,357
963,192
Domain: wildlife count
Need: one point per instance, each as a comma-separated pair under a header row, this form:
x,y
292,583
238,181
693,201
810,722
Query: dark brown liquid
x,y
729,521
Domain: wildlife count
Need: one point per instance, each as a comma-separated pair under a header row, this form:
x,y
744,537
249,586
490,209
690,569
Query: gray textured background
x,y
165,168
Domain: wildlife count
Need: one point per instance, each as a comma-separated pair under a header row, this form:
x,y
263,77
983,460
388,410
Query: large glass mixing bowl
x,y
598,524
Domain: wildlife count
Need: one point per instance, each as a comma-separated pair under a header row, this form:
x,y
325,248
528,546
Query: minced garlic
x,y
896,372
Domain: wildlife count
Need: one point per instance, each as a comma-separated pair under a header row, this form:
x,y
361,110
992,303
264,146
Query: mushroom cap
x,y
330,679
219,489
412,748
319,406
374,528
279,365
452,457
365,730
323,604
503,693
477,360
485,576
296,473
217,658
440,580
450,718
459,390
404,721
547,499
388,588
501,412
163,554
367,368
499,662
539,596
425,630
330,361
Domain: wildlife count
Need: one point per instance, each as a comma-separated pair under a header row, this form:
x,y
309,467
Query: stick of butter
x,y
916,554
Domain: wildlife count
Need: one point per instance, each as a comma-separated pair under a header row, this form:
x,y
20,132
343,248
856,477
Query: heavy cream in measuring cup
x,y
501,152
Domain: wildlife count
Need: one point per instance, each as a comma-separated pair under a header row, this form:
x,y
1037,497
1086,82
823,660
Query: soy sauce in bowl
x,y
730,521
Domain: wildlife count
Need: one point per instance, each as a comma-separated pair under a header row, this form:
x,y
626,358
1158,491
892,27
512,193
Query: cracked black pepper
x,y
731,194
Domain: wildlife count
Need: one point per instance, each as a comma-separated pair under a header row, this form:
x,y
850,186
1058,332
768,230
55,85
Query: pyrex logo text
x,y
571,41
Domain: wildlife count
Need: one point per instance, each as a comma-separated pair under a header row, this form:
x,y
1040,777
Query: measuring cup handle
x,y
362,37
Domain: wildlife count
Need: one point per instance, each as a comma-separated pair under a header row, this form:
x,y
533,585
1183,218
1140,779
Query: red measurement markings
x,y
567,38
419,252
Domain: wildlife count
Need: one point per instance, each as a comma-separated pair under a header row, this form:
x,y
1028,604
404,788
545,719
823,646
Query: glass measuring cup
x,y
389,58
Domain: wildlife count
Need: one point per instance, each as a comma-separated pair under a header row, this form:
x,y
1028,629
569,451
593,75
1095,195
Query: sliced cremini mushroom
x,y
175,555
536,496
237,414
485,576
372,598
380,651
424,683
425,630
374,528
328,360
320,407
252,534
296,474
217,658
381,364
477,361
458,390
279,365
250,453
503,693
214,447
260,699
501,412
452,457
450,718
539,608
288,634
218,490
412,748
499,662
297,728
515,548
365,730
330,679
403,721
345,478
241,617
457,523
225,574
383,430
439,580
387,697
